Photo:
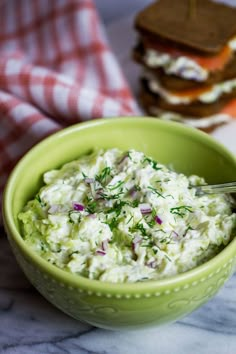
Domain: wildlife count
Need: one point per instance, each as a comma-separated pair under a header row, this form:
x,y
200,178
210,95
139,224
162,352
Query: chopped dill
x,y
137,188
91,206
37,197
101,178
155,191
186,231
43,204
166,240
149,244
117,185
117,207
74,252
181,210
135,203
128,154
113,223
150,219
131,217
138,227
111,196
167,257
153,163
77,217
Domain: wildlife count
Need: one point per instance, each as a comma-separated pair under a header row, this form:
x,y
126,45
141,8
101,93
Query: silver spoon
x,y
229,187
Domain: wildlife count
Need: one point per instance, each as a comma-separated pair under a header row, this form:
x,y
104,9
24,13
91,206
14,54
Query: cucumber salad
x,y
118,216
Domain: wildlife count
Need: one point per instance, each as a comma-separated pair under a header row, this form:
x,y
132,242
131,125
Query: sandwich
x,y
187,50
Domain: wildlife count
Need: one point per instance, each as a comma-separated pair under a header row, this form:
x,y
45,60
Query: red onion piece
x,y
145,208
152,264
134,193
158,220
101,253
89,180
77,206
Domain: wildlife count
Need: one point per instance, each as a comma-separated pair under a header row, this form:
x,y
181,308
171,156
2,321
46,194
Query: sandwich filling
x,y
202,123
185,65
205,95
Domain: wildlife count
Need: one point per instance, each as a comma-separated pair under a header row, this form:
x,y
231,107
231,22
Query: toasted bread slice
x,y
195,109
206,124
201,25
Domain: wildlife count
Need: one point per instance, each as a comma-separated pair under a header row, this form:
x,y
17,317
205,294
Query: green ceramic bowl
x,y
121,306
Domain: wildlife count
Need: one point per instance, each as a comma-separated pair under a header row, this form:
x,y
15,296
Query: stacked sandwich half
x,y
188,53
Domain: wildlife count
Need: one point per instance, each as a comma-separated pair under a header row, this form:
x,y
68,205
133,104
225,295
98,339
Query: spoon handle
x,y
229,187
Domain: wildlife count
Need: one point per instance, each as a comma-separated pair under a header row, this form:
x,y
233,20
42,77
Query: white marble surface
x,y
29,324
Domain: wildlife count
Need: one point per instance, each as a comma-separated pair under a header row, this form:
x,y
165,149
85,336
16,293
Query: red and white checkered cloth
x,y
56,69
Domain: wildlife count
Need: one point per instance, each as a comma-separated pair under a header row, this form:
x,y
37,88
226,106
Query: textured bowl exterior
x,y
121,306
131,309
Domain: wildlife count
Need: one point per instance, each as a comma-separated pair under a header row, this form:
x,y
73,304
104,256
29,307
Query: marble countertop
x,y
29,324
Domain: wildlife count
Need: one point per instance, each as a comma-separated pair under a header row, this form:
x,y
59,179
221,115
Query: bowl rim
x,y
203,271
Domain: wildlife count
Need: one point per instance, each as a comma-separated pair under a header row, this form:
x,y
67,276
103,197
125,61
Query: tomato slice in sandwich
x,y
192,93
230,108
216,62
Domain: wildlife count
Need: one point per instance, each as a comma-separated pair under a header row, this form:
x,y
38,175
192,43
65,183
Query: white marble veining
x,y
30,325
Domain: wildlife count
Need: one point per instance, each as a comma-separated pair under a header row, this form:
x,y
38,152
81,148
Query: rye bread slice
x,y
195,109
201,25
148,105
175,83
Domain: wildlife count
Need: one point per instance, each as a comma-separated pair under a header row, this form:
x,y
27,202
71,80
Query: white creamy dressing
x,y
232,44
123,217
181,66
